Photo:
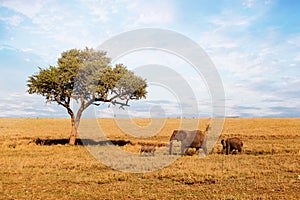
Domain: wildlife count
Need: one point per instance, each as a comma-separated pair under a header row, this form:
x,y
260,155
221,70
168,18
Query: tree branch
x,y
113,101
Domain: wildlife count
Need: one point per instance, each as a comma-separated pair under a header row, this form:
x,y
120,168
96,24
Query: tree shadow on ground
x,y
49,142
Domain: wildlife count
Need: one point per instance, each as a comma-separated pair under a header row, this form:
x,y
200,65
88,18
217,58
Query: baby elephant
x,y
149,149
231,144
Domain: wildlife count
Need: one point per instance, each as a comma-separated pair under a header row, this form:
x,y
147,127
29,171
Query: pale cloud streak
x,y
25,105
152,12
14,20
29,8
254,67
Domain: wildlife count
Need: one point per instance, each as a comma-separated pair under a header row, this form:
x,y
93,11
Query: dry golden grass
x,y
269,167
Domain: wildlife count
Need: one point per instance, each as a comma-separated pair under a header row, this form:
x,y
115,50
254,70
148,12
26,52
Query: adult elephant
x,y
231,144
189,139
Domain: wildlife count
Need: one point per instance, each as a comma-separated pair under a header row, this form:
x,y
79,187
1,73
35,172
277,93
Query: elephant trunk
x,y
170,149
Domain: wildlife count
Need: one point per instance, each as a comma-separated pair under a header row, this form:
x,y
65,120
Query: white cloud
x,y
152,12
248,3
26,105
229,20
51,28
7,47
254,3
254,61
26,49
252,66
58,26
297,58
28,8
102,9
14,20
294,40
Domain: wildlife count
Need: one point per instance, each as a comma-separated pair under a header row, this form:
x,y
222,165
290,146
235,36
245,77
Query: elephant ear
x,y
181,135
173,136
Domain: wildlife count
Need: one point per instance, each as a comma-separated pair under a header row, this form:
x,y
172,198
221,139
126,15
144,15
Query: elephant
x,y
189,139
231,144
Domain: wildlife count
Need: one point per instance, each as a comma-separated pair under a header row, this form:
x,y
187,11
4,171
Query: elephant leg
x,y
197,150
239,149
227,150
186,151
204,149
170,148
183,149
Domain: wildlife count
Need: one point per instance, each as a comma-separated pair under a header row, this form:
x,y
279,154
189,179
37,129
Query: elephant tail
x,y
242,144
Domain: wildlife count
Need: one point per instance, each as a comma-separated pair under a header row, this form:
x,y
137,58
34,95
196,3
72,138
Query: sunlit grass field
x,y
268,168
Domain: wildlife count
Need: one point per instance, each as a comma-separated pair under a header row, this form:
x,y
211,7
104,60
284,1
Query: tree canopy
x,y
88,77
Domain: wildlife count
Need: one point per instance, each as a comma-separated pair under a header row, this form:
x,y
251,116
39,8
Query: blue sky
x,y
254,44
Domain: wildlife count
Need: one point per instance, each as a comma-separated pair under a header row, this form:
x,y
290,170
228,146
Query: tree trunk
x,y
73,134
76,120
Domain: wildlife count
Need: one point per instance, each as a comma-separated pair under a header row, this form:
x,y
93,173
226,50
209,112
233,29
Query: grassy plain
x,y
269,167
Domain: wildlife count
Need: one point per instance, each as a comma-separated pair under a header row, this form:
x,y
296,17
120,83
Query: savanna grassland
x,y
268,168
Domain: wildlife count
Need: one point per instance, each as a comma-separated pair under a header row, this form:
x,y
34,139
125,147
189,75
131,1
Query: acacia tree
x,y
87,77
